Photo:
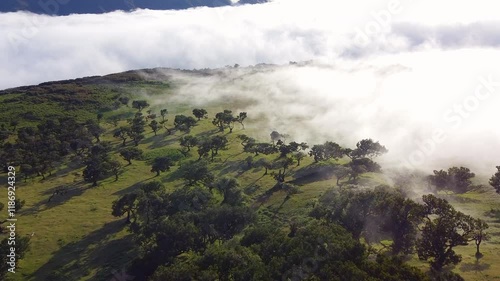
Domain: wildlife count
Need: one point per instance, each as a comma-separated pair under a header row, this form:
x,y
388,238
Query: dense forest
x,y
198,194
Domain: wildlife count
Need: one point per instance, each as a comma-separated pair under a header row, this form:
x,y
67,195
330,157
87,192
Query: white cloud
x,y
37,48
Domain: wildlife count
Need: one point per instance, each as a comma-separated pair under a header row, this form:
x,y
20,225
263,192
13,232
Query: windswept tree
x,y
163,114
122,133
240,118
161,164
131,153
246,140
140,104
154,126
495,180
282,166
200,113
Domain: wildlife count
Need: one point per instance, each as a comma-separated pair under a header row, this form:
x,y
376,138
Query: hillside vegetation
x,y
117,178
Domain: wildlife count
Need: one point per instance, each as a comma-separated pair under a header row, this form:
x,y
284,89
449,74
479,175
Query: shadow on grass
x,y
494,214
456,198
94,252
313,173
474,266
132,188
228,167
161,140
207,134
58,195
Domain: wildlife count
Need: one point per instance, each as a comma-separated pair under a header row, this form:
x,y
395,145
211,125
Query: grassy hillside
x,y
75,236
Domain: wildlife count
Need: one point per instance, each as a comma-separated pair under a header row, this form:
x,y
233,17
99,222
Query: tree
x,y
439,179
188,142
284,163
184,123
94,129
360,166
224,120
122,133
240,118
275,136
154,126
479,235
137,128
99,117
246,140
229,188
455,179
27,171
460,179
161,164
196,172
264,148
367,148
495,180
131,153
200,113
266,164
116,168
204,147
163,113
326,151
113,120
217,143
97,164
299,156
126,204
140,104
342,172
404,215
124,100
444,229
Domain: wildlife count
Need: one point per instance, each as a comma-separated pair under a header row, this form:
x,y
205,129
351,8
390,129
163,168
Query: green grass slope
x,y
75,237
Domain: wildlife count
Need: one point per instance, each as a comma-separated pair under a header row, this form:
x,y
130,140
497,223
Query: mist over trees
x,y
197,218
